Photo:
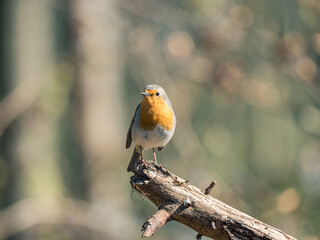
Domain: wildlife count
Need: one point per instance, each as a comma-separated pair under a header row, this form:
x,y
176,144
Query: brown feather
x,y
129,137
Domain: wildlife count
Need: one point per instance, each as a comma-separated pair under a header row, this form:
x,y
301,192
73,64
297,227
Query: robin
x,y
152,125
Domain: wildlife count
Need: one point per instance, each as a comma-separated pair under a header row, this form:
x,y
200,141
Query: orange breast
x,y
155,111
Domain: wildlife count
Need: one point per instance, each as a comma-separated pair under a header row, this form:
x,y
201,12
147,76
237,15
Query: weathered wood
x,y
157,220
208,190
203,213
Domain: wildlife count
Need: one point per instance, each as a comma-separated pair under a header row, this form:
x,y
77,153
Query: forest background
x,y
243,77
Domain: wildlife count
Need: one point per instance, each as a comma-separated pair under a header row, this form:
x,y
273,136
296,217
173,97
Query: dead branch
x,y
180,201
209,189
157,220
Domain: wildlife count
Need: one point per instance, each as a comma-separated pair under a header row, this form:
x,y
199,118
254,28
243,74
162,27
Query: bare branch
x,y
209,189
203,213
157,220
199,236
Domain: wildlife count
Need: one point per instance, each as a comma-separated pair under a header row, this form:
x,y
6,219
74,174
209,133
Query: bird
x,y
153,124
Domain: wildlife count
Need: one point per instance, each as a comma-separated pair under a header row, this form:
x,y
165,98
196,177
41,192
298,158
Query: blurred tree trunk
x,y
35,143
97,32
6,180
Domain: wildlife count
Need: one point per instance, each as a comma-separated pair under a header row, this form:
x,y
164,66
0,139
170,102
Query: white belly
x,y
151,138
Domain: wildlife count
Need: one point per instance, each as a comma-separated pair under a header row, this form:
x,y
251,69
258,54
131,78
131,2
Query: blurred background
x,y
243,77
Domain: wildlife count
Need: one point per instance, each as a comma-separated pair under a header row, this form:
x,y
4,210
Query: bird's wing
x,y
129,137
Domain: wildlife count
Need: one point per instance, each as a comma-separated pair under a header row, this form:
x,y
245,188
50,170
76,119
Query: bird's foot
x,y
144,162
154,157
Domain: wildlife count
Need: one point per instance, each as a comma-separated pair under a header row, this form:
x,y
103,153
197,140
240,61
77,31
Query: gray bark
x,y
187,204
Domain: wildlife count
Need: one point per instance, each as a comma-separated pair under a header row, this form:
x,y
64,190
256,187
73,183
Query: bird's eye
x,y
157,94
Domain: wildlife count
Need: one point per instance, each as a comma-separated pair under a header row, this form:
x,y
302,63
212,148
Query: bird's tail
x,y
134,159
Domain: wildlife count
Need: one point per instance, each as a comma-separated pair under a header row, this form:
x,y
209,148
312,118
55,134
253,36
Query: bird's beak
x,y
145,94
